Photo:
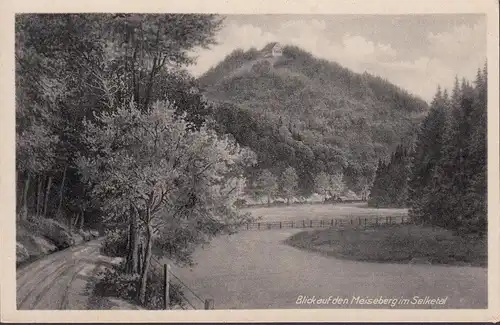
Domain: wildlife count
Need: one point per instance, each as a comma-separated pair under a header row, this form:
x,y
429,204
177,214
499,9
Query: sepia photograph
x,y
173,162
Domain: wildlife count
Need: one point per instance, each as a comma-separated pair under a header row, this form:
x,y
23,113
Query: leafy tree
x,y
70,66
267,185
322,184
336,185
289,183
134,171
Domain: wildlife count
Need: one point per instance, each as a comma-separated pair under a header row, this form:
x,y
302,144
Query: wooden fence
x,y
344,222
190,298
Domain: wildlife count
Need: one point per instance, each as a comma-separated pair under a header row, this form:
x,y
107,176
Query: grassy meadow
x,y
320,211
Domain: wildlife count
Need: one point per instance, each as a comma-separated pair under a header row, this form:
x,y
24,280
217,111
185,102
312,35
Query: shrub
x,y
21,254
115,283
85,234
51,230
115,243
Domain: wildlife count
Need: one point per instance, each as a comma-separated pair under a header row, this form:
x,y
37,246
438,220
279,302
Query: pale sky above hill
x,y
416,52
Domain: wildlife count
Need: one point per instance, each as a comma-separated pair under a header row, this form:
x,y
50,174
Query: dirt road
x,y
59,281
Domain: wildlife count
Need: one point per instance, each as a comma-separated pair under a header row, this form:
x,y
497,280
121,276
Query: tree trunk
x,y
61,192
140,259
24,208
269,200
39,196
131,265
82,219
147,261
47,192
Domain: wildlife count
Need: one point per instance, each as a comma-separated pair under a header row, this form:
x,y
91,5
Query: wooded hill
x,y
311,114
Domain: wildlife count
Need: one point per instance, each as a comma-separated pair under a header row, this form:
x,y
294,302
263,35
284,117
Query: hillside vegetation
x,y
311,114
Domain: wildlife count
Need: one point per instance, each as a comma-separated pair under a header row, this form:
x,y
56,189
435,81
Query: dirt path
x,y
255,269
59,281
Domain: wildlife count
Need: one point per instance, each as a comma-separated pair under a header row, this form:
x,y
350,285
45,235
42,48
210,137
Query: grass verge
x,y
395,244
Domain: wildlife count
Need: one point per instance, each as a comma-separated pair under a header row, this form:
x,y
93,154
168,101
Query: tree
x,y
149,166
448,185
336,185
322,184
427,153
70,66
267,185
390,187
289,183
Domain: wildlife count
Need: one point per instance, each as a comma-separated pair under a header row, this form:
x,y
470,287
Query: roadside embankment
x,y
37,237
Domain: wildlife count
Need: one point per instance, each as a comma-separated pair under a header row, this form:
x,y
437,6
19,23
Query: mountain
x,y
312,114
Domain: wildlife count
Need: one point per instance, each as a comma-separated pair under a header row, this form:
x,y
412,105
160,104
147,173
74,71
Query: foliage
x,y
115,243
390,186
266,185
70,66
288,183
310,114
177,182
115,283
449,184
329,185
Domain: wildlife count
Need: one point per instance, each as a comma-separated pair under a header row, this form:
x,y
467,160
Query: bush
x,y
115,283
85,234
51,230
115,243
21,254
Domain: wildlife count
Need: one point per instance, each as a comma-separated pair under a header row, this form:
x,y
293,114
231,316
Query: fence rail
x,y
169,277
365,222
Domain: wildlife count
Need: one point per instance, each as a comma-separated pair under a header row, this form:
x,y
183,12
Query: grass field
x,y
395,244
320,211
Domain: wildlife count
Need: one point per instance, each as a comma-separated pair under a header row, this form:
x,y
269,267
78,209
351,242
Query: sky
x,y
416,52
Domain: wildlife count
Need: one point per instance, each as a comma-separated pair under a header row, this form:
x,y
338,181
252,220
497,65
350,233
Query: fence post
x,y
376,221
332,222
258,225
310,224
303,223
209,304
365,222
280,224
359,221
166,284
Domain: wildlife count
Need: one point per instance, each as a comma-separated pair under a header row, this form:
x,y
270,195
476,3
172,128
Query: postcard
x,y
236,161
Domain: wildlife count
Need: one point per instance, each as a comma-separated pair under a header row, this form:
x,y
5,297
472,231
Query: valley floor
x,y
256,269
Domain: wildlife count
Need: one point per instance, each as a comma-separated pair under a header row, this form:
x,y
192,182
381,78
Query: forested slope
x,y
314,115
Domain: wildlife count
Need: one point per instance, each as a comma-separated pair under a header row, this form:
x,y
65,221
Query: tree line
x,y
442,177
286,186
110,130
